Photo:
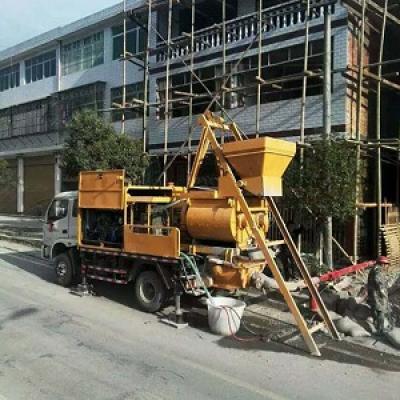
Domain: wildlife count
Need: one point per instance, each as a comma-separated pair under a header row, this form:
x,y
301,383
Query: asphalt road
x,y
54,345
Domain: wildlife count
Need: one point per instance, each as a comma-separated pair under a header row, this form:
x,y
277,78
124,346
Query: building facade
x,y
43,81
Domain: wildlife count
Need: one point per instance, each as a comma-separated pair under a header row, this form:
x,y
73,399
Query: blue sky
x,y
23,19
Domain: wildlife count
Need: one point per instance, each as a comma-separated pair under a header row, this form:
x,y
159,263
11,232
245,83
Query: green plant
x,y
5,174
94,144
326,181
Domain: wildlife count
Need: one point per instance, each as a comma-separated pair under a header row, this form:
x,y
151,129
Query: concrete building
x,y
43,81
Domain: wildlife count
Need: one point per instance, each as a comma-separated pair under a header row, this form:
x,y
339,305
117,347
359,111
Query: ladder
x,y
210,123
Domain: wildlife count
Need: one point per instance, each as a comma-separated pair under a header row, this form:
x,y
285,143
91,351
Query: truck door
x,y
72,221
56,226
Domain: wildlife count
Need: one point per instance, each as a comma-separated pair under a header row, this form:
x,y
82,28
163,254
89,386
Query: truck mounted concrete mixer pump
x,y
174,240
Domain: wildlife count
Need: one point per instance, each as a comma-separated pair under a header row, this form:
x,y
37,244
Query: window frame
x,y
118,37
83,54
53,218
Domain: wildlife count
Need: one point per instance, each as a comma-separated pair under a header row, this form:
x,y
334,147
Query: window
x,y
134,91
25,119
75,209
208,13
135,39
5,123
83,54
88,97
40,67
30,118
9,77
58,210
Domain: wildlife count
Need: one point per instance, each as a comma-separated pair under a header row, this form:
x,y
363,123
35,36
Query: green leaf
x,y
94,144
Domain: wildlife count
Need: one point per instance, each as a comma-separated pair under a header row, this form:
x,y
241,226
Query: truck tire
x,y
64,270
150,291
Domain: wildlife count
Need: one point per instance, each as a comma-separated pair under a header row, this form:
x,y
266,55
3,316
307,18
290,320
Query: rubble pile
x,y
350,308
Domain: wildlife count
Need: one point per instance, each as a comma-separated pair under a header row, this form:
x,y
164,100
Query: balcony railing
x,y
246,27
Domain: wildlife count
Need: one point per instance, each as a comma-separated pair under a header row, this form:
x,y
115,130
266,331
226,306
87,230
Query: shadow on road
x,y
18,314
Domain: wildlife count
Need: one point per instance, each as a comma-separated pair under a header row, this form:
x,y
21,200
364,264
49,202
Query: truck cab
x,y
60,236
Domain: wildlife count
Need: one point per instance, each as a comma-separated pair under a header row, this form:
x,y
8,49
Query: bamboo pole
x,y
190,119
167,79
327,121
147,77
358,125
124,61
259,67
223,97
304,96
378,133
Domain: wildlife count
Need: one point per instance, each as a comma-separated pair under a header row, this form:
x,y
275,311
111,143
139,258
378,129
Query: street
x,y
55,345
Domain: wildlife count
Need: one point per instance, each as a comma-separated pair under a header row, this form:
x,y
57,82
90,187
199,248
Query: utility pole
x,y
327,121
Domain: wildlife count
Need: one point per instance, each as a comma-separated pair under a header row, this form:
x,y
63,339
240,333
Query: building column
x,y
20,185
58,66
57,175
22,79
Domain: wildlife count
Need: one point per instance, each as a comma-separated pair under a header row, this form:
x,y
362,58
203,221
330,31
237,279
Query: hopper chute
x,y
260,163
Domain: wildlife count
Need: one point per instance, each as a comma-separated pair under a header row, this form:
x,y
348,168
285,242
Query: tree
x,y
326,181
325,184
5,174
94,144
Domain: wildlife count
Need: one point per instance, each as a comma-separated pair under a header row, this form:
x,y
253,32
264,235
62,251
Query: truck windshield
x,y
58,210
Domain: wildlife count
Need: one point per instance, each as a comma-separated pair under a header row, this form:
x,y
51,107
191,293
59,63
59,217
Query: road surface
x,y
54,345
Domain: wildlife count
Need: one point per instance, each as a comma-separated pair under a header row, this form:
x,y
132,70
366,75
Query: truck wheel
x,y
64,270
150,291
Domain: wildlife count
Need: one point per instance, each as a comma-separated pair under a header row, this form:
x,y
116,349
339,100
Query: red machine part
x,y
333,275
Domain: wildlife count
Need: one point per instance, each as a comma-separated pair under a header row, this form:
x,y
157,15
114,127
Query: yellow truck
x,y
189,239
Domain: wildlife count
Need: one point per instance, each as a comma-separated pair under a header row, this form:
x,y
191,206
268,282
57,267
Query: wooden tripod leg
x,y
302,268
201,153
301,323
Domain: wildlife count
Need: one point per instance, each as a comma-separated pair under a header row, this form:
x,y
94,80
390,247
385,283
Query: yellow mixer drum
x,y
213,220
